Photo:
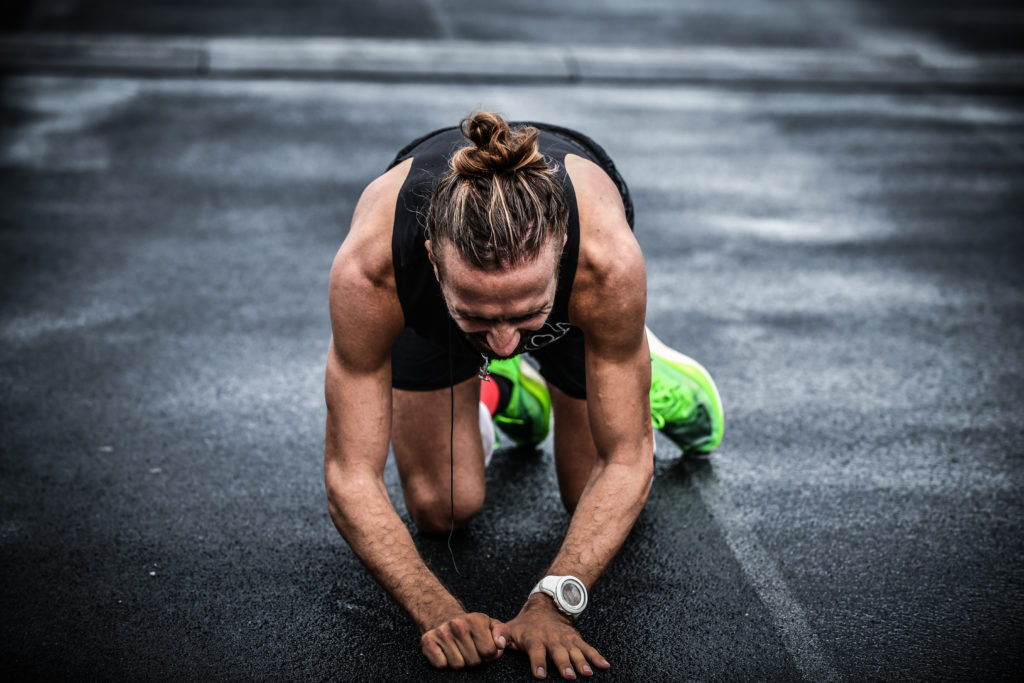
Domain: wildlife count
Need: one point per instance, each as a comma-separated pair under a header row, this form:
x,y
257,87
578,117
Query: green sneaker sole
x,y
702,378
529,432
535,385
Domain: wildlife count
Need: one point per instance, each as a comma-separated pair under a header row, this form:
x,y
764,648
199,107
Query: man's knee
x,y
434,514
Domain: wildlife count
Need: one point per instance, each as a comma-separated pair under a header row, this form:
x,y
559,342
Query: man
x,y
481,243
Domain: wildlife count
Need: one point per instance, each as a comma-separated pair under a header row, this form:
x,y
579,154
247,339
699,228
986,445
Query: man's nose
x,y
503,339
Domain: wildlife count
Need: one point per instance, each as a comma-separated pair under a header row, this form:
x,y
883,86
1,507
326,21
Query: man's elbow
x,y
633,483
645,477
640,464
641,477
346,495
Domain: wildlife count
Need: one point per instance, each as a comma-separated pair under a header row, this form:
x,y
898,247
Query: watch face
x,y
571,594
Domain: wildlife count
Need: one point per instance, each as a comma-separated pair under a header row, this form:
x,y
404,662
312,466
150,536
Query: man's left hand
x,y
543,633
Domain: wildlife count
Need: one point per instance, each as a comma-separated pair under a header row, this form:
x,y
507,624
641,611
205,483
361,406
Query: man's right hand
x,y
465,640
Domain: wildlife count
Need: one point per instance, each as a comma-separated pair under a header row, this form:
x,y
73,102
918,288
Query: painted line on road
x,y
766,579
478,61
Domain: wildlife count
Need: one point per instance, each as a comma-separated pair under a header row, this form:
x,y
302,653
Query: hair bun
x,y
496,148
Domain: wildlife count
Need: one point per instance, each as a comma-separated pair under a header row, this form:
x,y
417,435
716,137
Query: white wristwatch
x,y
568,592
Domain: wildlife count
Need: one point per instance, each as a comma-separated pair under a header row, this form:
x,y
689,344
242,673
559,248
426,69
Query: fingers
x,y
561,662
465,640
489,636
593,656
441,651
567,660
433,652
462,633
538,661
501,633
452,652
579,662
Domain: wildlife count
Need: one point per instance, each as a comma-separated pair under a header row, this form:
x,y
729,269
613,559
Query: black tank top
x,y
418,290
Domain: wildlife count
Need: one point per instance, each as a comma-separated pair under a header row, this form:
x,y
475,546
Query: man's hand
x,y
465,640
543,633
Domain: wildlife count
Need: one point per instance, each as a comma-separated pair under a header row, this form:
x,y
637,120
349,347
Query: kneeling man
x,y
480,244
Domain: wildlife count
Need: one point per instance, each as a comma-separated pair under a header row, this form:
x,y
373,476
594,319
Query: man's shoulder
x,y
363,261
610,278
608,248
377,201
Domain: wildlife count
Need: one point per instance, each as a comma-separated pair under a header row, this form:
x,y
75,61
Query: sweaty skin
x,y
603,445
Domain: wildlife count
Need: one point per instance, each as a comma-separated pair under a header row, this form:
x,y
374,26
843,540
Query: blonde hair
x,y
500,201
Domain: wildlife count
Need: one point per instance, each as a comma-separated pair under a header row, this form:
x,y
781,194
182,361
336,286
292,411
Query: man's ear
x,y
433,261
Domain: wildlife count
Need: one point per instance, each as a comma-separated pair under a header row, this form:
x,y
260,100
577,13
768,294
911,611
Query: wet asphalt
x,y
846,261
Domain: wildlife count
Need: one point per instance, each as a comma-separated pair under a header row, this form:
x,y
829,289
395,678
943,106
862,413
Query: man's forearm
x,y
363,513
355,453
609,506
612,500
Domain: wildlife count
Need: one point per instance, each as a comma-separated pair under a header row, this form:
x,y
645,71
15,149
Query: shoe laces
x,y
670,401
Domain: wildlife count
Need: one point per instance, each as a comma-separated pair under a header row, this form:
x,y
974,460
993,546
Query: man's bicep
x,y
358,416
617,357
618,399
366,315
365,320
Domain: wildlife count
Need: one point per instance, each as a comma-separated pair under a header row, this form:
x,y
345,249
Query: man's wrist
x,y
431,616
567,592
542,603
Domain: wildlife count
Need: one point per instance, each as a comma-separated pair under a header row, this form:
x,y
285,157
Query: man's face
x,y
497,309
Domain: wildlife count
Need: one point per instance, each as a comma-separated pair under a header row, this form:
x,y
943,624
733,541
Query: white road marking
x,y
789,617
233,56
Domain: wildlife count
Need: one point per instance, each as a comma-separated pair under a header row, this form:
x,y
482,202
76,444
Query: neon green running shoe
x,y
527,417
685,404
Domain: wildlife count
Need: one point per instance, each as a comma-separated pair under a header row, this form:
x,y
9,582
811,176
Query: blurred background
x,y
829,198
990,26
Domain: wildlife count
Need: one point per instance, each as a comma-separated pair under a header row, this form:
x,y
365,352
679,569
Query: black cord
x,y
451,447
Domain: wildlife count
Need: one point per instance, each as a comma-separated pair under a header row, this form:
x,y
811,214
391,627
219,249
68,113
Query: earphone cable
x,y
451,447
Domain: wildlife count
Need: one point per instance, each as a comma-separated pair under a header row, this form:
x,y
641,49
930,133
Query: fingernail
x,y
586,669
569,673
540,672
501,641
